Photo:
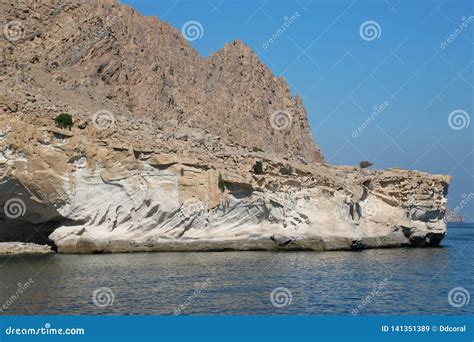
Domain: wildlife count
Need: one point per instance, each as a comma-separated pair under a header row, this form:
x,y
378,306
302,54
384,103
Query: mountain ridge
x,y
145,65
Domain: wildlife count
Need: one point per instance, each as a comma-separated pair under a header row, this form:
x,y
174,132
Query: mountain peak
x,y
142,67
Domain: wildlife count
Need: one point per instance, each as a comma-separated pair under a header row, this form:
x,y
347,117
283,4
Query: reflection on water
x,y
415,281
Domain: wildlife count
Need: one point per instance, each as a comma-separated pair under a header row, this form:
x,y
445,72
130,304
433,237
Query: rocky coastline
x,y
117,136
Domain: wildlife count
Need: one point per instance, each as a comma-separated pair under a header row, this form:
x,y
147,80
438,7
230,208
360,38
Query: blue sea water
x,y
399,281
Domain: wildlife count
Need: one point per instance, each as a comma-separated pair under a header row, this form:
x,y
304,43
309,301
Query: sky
x,y
386,81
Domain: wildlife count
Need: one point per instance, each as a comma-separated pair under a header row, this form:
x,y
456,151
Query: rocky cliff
x,y
172,151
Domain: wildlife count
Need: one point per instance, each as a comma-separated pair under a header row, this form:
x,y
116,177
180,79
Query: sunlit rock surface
x,y
112,202
162,152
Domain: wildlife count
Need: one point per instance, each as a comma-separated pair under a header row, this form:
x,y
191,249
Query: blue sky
x,y
343,71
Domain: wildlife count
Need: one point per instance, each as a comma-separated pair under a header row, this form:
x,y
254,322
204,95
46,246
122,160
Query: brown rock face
x,y
85,56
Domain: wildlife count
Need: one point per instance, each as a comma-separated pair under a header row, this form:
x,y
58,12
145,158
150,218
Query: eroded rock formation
x,y
162,152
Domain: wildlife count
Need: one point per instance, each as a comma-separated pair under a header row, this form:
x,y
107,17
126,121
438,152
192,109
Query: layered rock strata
x,y
170,151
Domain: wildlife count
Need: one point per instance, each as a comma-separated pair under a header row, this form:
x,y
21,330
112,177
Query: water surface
x,y
408,281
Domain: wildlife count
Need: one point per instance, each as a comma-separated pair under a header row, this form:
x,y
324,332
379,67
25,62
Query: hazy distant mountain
x,y
453,216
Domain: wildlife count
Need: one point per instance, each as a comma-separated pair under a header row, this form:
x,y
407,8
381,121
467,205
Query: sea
x,y
392,281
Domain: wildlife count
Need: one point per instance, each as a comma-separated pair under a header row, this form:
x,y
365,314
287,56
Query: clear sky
x,y
412,59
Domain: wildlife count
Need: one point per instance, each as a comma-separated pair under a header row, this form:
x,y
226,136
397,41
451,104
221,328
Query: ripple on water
x,y
384,281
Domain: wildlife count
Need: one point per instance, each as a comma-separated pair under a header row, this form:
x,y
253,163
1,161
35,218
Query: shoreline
x,y
272,243
24,248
